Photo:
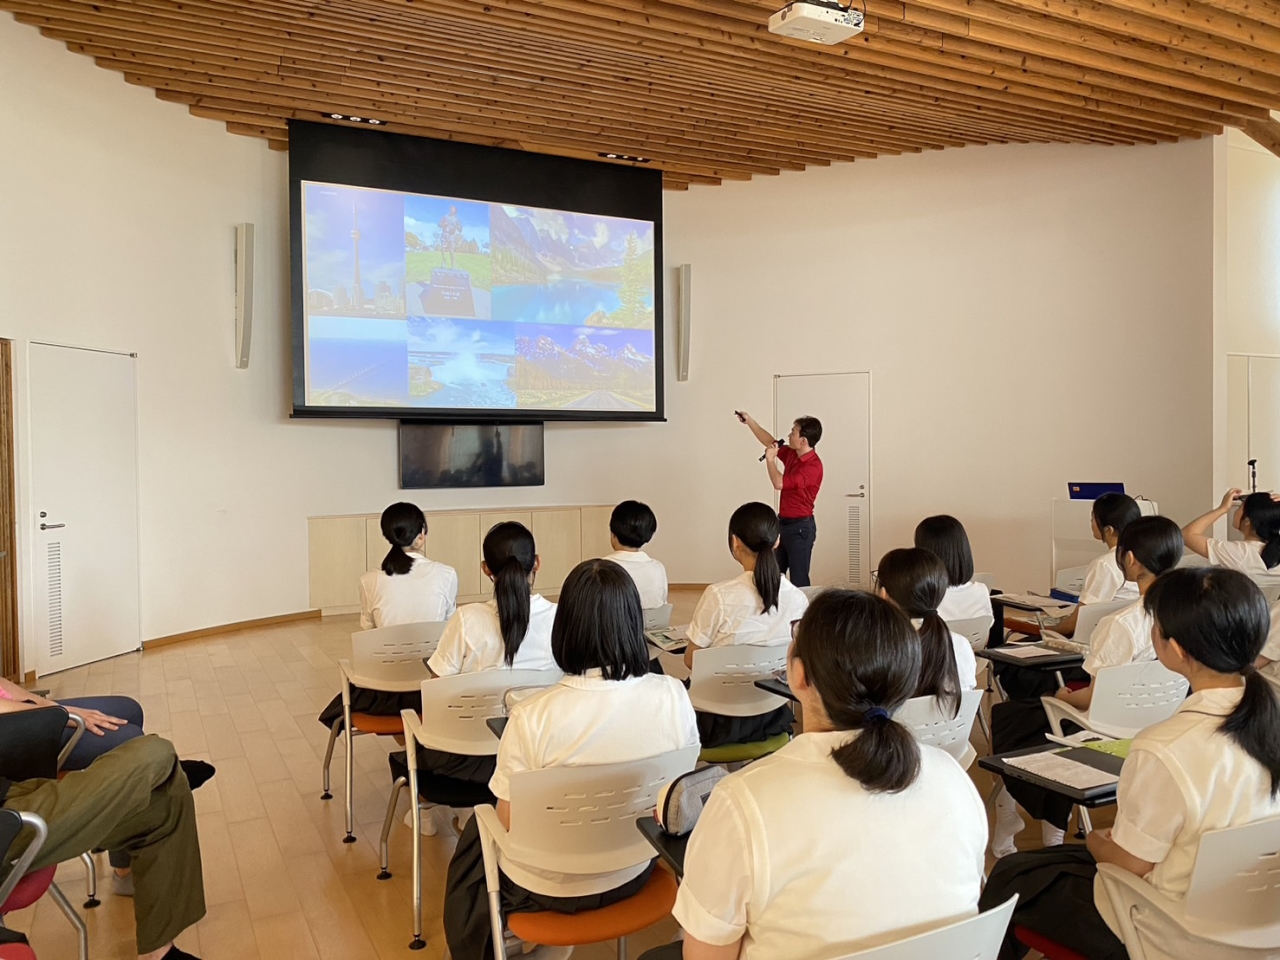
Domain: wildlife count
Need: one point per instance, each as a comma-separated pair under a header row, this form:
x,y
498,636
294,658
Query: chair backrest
x,y
723,679
582,820
975,938
1270,587
1071,579
656,618
976,630
928,723
1132,697
454,709
30,741
1091,615
811,591
395,654
11,824
1236,877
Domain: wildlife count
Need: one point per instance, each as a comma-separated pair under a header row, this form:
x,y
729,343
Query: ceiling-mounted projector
x,y
816,22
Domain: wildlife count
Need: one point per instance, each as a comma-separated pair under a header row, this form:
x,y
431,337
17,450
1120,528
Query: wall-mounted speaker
x,y
244,292
684,318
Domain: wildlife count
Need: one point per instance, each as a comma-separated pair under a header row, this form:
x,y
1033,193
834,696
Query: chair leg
x,y
82,932
350,770
90,881
622,948
495,922
386,826
1086,821
328,757
415,807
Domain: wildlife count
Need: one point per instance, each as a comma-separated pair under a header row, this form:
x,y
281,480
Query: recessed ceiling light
x,y
375,122
337,116
623,156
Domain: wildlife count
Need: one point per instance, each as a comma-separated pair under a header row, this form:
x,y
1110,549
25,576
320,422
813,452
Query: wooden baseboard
x,y
229,628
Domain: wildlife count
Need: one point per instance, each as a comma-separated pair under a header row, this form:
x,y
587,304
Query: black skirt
x,y
467,926
716,730
1055,899
1015,725
377,703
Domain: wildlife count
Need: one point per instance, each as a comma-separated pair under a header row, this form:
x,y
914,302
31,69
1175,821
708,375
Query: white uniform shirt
x,y
1120,638
729,613
588,720
427,592
1242,555
799,859
1271,649
966,662
1104,581
472,640
649,574
969,601
1183,777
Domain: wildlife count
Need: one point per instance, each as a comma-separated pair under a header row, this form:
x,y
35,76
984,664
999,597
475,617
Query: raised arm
x,y
761,434
1196,533
771,461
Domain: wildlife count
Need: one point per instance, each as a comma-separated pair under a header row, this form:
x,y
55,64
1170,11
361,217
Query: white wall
x,y
991,291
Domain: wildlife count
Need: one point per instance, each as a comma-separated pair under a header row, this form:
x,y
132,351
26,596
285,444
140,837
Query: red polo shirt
x,y
801,479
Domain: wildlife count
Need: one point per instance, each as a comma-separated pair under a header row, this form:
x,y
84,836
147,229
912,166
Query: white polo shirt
x,y
426,593
472,640
729,613
803,863
1183,777
1242,555
1120,638
1104,581
649,574
1271,649
966,662
969,601
589,720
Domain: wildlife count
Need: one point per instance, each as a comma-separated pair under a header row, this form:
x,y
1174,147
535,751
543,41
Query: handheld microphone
x,y
780,444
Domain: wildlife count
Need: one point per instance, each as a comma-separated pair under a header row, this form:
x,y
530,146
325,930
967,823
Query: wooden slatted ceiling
x,y
699,86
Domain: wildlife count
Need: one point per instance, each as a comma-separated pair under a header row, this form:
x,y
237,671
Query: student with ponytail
x,y
853,833
408,588
756,607
1214,764
1258,519
915,581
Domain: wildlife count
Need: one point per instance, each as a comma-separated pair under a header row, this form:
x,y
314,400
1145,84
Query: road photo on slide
x,y
448,303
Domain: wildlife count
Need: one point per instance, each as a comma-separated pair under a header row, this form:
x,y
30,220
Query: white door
x,y
84,504
842,401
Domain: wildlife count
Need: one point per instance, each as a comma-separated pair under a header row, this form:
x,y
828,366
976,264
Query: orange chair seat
x,y
368,723
651,904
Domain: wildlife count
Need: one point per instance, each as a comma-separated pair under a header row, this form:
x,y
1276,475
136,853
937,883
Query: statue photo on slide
x,y
450,232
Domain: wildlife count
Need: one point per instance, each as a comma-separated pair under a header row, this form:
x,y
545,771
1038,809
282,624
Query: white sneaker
x,y
428,822
1008,825
1050,835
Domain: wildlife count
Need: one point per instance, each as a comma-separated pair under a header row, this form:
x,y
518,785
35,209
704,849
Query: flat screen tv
x,y
458,283
436,455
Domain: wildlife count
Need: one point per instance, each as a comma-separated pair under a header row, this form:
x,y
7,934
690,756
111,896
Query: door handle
x,y
855,494
52,526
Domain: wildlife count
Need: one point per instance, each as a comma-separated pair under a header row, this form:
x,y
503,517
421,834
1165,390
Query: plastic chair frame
x,y
23,864
929,725
1115,683
723,679
533,794
973,938
658,618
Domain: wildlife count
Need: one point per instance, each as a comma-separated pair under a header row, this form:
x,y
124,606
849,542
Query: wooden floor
x,y
279,882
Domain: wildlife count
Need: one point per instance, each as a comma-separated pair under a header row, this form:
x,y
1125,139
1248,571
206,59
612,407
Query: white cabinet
x,y
340,549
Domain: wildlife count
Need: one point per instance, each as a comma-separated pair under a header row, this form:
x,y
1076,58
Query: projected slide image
x,y
558,367
446,254
356,361
460,363
354,252
578,269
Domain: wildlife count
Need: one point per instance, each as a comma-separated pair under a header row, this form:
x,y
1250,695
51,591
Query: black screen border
x,y
361,157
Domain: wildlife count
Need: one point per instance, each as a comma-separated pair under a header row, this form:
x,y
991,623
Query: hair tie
x,y
1249,670
875,713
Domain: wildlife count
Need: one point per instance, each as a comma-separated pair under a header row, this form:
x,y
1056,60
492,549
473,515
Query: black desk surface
x,y
670,849
1057,661
497,725
777,687
1102,798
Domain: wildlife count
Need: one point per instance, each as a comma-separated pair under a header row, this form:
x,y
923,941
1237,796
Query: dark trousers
x,y
90,746
795,547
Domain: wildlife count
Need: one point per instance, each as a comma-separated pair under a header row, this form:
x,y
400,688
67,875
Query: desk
x,y
497,725
1055,663
1101,797
670,849
777,687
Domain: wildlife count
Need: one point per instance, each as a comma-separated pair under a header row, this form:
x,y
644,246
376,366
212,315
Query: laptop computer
x,y
1092,491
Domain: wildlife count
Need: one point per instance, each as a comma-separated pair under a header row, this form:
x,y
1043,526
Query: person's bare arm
x,y
504,814
1080,699
1196,533
1106,850
761,434
695,949
771,461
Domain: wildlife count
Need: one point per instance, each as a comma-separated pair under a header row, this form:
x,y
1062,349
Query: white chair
x,y
723,679
389,659
928,723
658,618
576,821
1270,587
455,715
1071,579
1231,910
1091,614
1126,699
975,630
975,938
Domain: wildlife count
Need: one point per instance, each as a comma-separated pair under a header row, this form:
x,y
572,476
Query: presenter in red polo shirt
x,y
798,481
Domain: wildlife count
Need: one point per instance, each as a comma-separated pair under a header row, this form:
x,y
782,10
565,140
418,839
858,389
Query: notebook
x,y
669,639
1089,771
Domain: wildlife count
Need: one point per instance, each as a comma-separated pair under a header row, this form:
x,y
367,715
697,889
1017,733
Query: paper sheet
x,y
1053,766
1028,652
